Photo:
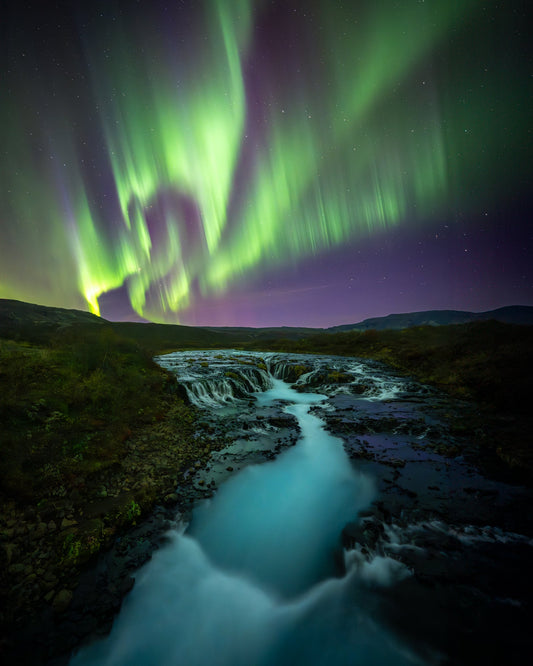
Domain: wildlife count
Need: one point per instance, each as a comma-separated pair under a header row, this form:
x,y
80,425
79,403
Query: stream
x,y
344,527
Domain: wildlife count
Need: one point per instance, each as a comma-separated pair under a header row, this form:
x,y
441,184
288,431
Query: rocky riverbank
x,y
60,594
465,537
47,547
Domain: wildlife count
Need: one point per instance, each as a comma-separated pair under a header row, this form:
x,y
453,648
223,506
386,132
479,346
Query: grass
x,y
68,408
93,434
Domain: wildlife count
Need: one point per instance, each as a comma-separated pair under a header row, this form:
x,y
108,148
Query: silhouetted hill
x,y
39,323
247,334
21,313
513,314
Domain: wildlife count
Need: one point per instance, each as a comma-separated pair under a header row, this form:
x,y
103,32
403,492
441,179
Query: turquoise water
x,y
258,577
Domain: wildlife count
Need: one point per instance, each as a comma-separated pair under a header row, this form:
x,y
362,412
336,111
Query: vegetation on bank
x,y
68,408
93,433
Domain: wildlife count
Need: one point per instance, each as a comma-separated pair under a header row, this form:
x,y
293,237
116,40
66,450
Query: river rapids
x,y
296,559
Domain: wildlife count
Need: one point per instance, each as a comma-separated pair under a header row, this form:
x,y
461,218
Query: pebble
x,y
68,523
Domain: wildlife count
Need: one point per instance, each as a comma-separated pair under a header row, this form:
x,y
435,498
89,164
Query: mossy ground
x,y
93,434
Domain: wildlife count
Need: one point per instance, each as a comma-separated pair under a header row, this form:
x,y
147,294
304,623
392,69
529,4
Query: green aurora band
x,y
354,136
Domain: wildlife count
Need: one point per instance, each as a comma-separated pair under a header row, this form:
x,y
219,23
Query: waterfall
x,y
232,377
258,576
219,381
287,563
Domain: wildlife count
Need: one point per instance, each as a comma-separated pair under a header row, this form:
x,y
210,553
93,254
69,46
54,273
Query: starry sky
x,y
266,163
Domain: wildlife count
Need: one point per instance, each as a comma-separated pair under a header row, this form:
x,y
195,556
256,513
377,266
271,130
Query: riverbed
x,y
346,526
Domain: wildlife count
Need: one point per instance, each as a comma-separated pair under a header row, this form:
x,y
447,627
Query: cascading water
x,y
217,379
258,577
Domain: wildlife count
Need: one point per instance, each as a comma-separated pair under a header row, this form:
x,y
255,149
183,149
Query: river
x,y
275,568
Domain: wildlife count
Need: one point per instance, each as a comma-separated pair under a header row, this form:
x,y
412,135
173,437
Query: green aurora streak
x,y
351,142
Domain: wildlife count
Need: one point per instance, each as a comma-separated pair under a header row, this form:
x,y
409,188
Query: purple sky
x,y
369,159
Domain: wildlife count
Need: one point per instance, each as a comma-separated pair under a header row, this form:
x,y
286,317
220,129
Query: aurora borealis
x,y
241,162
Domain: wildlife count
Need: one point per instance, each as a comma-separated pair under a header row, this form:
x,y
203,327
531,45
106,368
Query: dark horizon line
x,y
237,326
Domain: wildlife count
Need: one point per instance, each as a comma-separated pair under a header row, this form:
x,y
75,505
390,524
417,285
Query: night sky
x,y
240,162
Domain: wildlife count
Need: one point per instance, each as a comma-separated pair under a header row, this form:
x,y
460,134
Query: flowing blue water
x,y
258,576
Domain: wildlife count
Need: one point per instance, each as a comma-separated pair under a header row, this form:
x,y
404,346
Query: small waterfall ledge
x,y
220,379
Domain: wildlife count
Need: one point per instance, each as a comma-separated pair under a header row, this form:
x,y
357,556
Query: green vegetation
x,y
93,434
336,377
300,370
67,409
133,511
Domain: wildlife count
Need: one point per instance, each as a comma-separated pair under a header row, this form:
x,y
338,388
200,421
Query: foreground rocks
x,y
45,549
463,537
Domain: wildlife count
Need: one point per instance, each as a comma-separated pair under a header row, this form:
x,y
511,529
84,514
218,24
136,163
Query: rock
x,y
126,585
395,462
68,523
39,531
9,549
359,388
86,625
62,601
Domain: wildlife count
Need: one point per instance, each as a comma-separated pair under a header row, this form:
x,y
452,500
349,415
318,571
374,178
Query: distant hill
x,y
245,333
19,313
512,314
39,323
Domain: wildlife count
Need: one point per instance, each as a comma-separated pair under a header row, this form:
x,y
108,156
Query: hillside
x,y
513,314
19,313
40,324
